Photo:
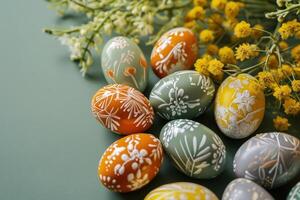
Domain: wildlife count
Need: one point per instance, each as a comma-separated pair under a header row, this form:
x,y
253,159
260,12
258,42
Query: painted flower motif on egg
x,y
269,159
194,149
180,191
239,106
244,189
122,109
184,94
175,50
123,62
131,162
294,194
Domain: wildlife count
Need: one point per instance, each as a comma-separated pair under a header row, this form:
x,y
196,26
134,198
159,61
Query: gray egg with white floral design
x,y
269,159
182,95
245,189
193,148
294,194
123,62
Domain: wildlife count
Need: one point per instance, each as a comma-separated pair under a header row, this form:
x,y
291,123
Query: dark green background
x,y
49,142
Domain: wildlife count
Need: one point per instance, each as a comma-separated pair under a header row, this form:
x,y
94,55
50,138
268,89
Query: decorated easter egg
x,y
269,159
123,62
131,162
246,190
181,190
122,109
175,50
239,106
294,194
193,148
183,94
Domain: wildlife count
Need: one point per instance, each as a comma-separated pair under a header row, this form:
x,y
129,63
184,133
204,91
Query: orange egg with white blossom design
x,y
122,109
131,162
175,50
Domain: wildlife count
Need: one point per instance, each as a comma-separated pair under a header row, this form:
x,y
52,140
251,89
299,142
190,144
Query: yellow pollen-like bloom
x,y
291,106
207,36
200,2
296,85
282,92
196,13
295,52
212,49
272,61
287,69
283,45
191,24
289,29
246,51
256,31
242,30
266,79
226,55
232,9
218,4
215,69
281,123
201,65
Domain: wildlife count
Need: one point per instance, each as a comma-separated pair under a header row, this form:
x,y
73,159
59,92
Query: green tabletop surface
x,y
50,143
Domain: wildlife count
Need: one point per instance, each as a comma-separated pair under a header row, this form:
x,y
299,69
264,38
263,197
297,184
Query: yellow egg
x,y
181,190
239,106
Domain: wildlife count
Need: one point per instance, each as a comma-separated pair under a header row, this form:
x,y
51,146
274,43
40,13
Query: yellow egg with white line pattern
x,y
239,106
181,190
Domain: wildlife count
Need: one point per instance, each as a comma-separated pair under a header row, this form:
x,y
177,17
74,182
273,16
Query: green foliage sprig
x,y
132,18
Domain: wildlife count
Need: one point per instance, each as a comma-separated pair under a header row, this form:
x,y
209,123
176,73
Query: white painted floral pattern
x,y
178,100
238,119
119,55
134,162
271,156
132,102
193,149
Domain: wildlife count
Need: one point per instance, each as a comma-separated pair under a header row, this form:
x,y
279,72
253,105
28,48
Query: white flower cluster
x,y
132,18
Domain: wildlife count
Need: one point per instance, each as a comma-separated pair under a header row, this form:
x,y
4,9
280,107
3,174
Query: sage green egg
x,y
294,194
123,62
182,95
193,148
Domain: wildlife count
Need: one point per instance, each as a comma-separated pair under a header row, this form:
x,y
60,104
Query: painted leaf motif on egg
x,y
183,94
122,109
180,191
294,194
269,159
244,189
175,50
194,149
239,106
131,162
123,62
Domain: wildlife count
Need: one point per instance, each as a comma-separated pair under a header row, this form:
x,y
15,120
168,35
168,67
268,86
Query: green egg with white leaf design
x,y
193,148
182,95
123,62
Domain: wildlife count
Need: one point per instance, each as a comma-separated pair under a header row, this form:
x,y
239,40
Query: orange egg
x,y
131,162
122,109
175,50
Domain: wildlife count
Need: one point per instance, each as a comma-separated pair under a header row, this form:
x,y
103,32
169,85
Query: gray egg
x,y
244,189
182,95
193,148
294,194
269,159
123,62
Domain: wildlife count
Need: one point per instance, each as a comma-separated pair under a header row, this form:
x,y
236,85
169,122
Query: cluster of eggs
x,y
268,160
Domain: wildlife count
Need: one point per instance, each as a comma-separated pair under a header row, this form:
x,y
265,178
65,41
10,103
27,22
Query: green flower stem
x,y
58,32
284,12
82,5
